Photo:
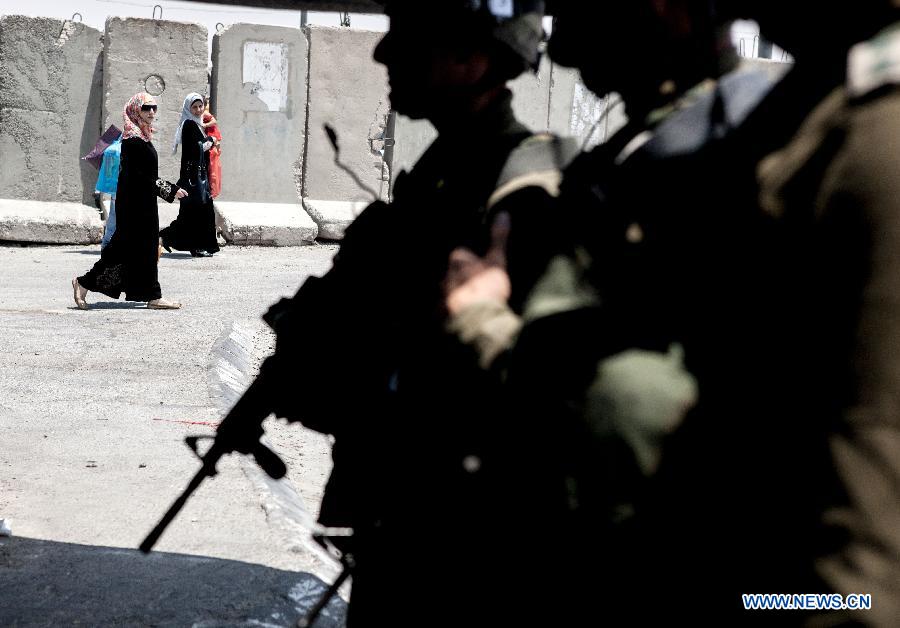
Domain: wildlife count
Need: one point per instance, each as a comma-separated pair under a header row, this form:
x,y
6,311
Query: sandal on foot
x,y
163,304
79,297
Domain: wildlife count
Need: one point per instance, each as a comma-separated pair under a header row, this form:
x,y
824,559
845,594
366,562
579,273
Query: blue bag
x,y
108,180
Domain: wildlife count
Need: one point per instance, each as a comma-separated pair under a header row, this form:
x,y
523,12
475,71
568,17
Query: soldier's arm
x,y
477,291
487,305
487,314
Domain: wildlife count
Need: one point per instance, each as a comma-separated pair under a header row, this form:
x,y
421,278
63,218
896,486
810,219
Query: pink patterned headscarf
x,y
134,126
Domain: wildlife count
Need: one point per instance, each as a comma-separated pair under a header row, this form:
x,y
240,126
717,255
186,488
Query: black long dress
x,y
129,262
195,227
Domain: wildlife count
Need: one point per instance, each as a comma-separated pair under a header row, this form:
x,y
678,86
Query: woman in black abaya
x,y
129,262
195,228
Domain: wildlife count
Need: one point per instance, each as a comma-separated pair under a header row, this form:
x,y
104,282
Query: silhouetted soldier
x,y
648,316
783,479
426,470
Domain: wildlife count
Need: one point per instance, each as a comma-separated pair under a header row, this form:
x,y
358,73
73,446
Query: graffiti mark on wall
x,y
265,68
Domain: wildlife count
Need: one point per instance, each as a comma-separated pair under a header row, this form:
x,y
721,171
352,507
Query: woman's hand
x,y
180,194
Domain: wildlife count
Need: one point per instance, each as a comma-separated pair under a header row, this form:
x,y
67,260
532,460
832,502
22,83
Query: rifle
x,y
239,431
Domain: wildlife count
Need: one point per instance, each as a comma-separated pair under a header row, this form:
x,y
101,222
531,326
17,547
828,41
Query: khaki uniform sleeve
x,y
865,181
489,327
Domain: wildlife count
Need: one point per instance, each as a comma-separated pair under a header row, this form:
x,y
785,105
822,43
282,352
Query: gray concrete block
x,y
347,90
594,118
562,99
166,59
333,217
774,69
259,89
542,101
49,222
50,91
411,139
531,97
265,224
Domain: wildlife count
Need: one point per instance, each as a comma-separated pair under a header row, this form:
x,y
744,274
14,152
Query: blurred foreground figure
x,y
435,481
644,344
831,180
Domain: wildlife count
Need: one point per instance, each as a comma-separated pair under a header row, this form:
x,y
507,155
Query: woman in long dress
x,y
195,228
129,262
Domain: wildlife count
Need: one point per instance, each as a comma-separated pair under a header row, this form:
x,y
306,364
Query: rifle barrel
x,y
207,470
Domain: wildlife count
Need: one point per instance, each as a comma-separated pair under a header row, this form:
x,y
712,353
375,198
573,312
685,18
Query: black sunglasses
x,y
148,107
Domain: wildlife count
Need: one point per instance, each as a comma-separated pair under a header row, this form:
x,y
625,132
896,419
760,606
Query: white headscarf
x,y
186,114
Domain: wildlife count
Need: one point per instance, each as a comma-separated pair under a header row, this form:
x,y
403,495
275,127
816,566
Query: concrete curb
x,y
49,222
265,224
774,69
333,217
232,364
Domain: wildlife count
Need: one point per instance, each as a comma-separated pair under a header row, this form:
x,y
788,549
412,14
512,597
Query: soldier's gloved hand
x,y
641,396
472,279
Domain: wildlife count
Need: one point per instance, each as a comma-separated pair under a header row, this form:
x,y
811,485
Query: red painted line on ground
x,y
206,423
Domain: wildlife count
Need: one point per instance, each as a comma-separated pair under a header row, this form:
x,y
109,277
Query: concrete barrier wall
x,y
543,101
531,97
273,90
411,139
348,91
259,90
563,83
594,119
50,81
166,59
774,69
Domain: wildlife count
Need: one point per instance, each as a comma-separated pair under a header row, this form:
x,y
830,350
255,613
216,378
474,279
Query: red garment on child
x,y
215,165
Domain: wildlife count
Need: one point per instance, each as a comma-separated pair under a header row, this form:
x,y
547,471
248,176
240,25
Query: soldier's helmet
x,y
516,24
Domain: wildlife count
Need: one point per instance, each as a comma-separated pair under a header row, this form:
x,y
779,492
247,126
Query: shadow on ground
x,y
45,583
113,305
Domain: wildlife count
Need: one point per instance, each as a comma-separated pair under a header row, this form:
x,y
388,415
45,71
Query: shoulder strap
x,y
537,161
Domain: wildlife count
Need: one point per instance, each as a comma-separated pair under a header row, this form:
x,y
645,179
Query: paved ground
x,y
94,407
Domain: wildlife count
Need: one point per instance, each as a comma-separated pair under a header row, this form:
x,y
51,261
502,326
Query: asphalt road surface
x,y
94,409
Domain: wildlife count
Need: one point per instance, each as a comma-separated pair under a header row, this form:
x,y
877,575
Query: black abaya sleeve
x,y
143,169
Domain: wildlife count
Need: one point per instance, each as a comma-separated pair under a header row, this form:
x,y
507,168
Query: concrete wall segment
x,y
49,222
531,97
265,224
347,90
562,99
50,88
167,59
259,97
